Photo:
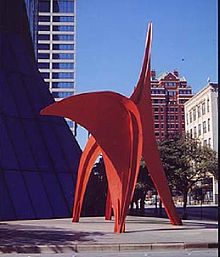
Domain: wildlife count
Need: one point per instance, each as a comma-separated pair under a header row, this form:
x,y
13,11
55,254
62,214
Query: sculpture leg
x,y
87,161
159,179
129,181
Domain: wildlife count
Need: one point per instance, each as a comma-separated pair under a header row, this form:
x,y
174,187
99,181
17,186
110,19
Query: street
x,y
179,253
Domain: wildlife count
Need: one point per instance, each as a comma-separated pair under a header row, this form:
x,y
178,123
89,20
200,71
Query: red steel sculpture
x,y
122,130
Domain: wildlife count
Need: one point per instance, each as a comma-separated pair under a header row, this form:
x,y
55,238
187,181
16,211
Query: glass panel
x,y
19,194
63,66
44,18
63,47
63,37
43,37
62,85
6,204
61,94
43,28
45,75
43,56
63,18
63,56
70,123
44,6
38,193
43,65
63,75
43,47
63,28
64,6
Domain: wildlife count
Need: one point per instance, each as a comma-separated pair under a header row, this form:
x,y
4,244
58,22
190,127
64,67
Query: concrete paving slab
x,y
96,234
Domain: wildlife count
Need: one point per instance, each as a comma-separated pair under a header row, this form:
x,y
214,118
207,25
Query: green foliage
x,y
186,162
95,196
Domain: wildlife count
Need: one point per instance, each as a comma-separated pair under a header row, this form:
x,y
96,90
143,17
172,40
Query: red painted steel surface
x,y
116,124
142,97
122,159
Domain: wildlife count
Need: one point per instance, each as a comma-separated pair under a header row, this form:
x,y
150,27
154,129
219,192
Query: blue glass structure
x,y
39,155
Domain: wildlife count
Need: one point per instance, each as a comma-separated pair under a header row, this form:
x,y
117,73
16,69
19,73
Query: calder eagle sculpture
x,y
122,130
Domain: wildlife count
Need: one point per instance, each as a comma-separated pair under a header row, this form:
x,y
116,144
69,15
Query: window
x,y
63,28
63,37
63,75
161,125
43,46
208,124
45,75
199,130
63,18
43,37
205,143
70,123
177,126
156,117
194,132
157,134
187,121
209,142
194,114
43,56
155,100
203,108
63,65
44,6
63,6
190,117
62,85
182,101
204,126
61,94
43,65
156,125
199,111
172,93
63,47
63,56
190,134
156,109
43,28
207,105
44,18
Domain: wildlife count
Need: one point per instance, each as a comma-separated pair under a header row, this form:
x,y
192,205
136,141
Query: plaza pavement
x,y
94,234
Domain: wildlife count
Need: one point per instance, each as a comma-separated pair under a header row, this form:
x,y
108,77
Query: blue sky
x,y
111,38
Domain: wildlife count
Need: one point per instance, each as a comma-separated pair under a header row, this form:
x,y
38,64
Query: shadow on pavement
x,y
22,238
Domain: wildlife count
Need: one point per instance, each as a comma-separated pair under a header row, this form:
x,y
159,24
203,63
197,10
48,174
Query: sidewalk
x,y
96,234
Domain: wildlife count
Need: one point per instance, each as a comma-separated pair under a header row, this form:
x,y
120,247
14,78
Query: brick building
x,y
169,92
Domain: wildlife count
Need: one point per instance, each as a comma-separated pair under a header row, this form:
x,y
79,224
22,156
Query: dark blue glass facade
x,y
39,155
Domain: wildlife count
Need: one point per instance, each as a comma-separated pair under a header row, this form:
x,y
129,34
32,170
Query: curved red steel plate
x,y
120,122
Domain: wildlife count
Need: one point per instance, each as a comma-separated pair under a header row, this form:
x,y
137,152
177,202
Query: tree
x,y
95,196
186,162
144,183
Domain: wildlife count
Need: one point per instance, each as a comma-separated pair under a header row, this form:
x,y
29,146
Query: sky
x,y
111,38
